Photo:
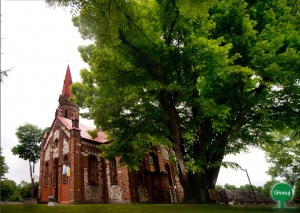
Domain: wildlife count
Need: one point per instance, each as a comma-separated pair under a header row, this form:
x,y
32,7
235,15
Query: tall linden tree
x,y
206,78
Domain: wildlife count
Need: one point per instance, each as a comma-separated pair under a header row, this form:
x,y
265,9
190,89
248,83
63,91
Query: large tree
x,y
30,137
206,78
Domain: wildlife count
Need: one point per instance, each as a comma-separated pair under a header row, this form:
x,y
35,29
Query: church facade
x,y
72,171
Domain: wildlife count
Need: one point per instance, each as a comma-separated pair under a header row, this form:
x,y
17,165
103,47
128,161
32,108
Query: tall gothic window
x,y
114,172
46,174
153,162
141,173
54,172
93,170
65,169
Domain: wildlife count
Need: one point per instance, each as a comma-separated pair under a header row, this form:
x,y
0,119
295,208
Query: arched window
x,y
141,173
93,170
65,169
114,172
46,174
153,162
56,142
54,172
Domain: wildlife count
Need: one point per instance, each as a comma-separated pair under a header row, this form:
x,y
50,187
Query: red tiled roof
x,y
84,130
67,83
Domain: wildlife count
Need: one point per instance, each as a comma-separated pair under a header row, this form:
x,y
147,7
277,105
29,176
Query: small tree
x,y
3,165
3,169
30,138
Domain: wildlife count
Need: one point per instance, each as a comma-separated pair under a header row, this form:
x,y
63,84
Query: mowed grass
x,y
137,208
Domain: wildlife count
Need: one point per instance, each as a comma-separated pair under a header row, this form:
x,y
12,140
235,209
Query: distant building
x,y
72,171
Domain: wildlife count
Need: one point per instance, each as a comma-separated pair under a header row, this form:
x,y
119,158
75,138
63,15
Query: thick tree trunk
x,y
32,180
195,188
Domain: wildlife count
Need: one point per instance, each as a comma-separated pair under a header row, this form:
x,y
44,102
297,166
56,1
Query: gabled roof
x,y
84,130
67,83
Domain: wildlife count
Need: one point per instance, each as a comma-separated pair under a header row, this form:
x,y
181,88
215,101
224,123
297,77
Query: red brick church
x,y
72,171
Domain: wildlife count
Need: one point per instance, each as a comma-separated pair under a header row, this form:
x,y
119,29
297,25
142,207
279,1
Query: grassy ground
x,y
137,208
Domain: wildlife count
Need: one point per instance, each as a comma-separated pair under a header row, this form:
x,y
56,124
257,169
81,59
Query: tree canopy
x,y
206,78
30,137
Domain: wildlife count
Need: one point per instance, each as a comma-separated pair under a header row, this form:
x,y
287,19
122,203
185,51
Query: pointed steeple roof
x,y
67,83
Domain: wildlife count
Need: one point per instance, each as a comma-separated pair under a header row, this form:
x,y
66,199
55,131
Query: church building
x,y
72,171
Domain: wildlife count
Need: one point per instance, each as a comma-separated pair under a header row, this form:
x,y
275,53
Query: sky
x,y
39,42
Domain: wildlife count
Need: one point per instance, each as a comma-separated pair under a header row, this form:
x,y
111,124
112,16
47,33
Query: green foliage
x,y
30,138
283,154
230,187
247,187
296,197
268,186
15,197
24,189
207,78
8,187
16,193
265,190
219,187
3,165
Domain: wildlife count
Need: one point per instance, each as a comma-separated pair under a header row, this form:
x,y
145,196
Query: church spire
x,y
66,107
67,83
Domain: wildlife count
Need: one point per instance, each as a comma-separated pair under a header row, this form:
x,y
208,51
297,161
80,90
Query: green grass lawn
x,y
136,208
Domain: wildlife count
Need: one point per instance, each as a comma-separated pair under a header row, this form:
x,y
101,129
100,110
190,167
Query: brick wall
x,y
61,142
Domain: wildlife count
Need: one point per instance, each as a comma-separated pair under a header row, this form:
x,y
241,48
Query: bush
x,y
8,188
16,197
25,189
